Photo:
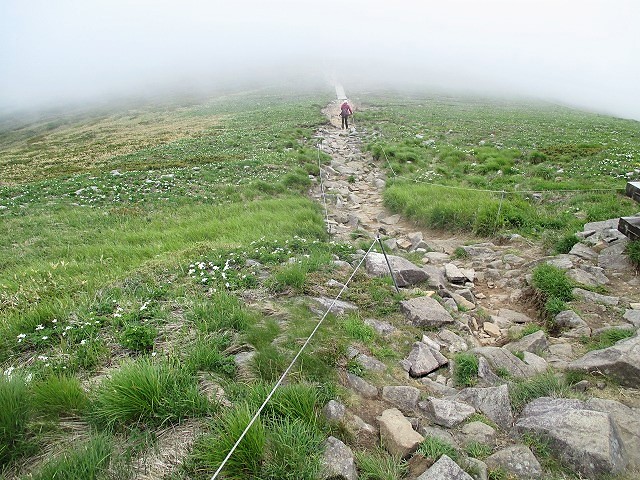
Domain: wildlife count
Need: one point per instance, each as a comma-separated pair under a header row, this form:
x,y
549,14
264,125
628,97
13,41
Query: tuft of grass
x,y
87,461
146,392
545,384
552,282
434,448
465,369
222,311
206,355
210,450
58,395
607,338
478,450
633,250
15,413
138,337
565,243
460,253
354,367
357,329
380,465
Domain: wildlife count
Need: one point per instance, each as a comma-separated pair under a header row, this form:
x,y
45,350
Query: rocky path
x,y
485,304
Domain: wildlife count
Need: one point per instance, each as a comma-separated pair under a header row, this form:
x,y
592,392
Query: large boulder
x,y
403,397
621,362
404,272
535,342
587,440
425,312
445,469
491,401
396,433
628,422
337,461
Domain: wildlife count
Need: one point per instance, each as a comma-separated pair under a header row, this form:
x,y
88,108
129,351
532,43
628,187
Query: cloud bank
x,y
579,52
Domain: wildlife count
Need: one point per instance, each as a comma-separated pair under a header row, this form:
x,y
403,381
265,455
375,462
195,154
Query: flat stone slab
x,y
595,297
518,460
404,272
492,401
337,461
397,434
445,469
447,413
425,312
502,358
423,360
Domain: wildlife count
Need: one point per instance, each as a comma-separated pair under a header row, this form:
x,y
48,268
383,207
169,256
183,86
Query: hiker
x,y
345,111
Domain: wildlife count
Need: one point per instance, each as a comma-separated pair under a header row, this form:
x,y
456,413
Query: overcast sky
x,y
580,52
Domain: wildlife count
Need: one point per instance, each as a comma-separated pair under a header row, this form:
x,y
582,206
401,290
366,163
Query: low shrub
x,y
138,337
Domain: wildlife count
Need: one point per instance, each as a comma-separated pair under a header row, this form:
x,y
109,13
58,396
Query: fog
x,y
584,53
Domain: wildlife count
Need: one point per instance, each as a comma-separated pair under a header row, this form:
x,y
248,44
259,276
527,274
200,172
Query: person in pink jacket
x,y
345,111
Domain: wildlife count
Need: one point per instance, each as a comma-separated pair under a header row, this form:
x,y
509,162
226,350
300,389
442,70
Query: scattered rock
x,y
361,386
517,459
491,401
334,411
397,434
583,251
337,307
445,469
404,272
447,413
337,461
455,342
478,432
370,364
501,358
633,317
405,398
425,312
569,319
594,297
621,362
534,342
513,316
380,326
454,274
423,360
587,440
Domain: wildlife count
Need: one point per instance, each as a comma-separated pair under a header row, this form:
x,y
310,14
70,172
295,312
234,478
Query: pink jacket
x,y
345,110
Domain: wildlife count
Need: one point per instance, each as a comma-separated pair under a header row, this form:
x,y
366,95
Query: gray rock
x,y
425,312
337,307
405,398
538,364
437,387
513,259
535,342
423,360
633,317
486,376
563,262
513,316
371,364
447,413
455,342
334,411
361,386
437,257
436,277
627,421
491,401
614,259
462,303
502,358
583,277
404,272
517,459
587,440
583,251
595,297
467,294
476,468
481,251
601,225
569,319
337,461
437,432
620,362
478,432
380,326
396,433
445,469
453,273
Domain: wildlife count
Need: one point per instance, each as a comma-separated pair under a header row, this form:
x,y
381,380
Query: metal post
x,y
388,264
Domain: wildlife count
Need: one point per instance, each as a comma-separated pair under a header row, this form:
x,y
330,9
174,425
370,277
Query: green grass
x,y
207,354
58,395
380,465
89,460
150,393
607,338
15,414
553,287
478,450
633,250
465,369
434,448
545,384
357,329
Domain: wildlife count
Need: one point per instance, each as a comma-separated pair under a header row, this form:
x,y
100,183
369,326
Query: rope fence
x,y
302,348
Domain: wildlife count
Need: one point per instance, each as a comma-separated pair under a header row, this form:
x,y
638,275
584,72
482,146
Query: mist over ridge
x,y
578,53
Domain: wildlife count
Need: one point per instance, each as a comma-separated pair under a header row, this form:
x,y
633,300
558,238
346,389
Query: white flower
x,y
39,327
83,342
45,337
22,335
54,321
44,358
153,354
67,328
9,371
